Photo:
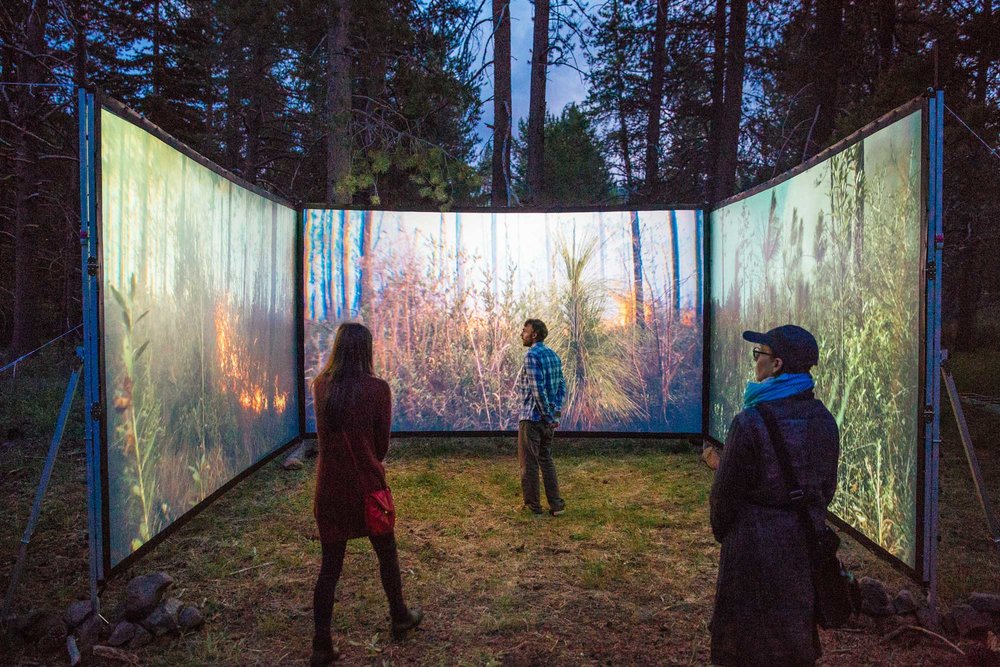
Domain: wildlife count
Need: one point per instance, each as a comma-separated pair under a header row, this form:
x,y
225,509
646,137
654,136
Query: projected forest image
x,y
199,330
446,296
837,249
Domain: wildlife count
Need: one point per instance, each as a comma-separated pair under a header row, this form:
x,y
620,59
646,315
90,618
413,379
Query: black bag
x,y
832,583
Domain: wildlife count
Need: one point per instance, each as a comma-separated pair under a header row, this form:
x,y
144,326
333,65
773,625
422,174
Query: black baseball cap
x,y
795,346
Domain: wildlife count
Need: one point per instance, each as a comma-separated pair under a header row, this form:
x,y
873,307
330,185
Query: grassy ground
x,y
625,577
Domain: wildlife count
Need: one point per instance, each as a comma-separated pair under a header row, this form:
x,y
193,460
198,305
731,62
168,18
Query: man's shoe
x,y
535,511
558,512
412,620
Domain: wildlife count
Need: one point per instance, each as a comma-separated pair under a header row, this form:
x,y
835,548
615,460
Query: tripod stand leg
x,y
970,455
43,484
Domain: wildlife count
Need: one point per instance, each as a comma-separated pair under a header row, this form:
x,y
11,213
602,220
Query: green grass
x,y
30,398
628,573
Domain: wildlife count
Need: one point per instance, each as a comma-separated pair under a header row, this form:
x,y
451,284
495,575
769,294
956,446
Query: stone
x,y
989,602
928,620
190,618
143,593
904,603
141,638
91,631
163,619
77,613
874,598
122,634
969,621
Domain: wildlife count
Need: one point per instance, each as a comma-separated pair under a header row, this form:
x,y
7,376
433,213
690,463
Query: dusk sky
x,y
565,84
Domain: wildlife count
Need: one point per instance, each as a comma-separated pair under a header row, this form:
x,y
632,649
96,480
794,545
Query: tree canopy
x,y
377,104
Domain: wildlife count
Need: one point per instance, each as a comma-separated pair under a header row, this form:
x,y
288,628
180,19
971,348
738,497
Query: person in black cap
x,y
764,602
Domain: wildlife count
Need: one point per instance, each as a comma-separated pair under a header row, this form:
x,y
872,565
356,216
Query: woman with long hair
x,y
353,417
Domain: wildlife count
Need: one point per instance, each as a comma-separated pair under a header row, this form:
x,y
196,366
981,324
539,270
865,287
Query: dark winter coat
x,y
764,596
341,486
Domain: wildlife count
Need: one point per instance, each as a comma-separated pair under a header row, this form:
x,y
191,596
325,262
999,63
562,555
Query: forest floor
x,y
625,577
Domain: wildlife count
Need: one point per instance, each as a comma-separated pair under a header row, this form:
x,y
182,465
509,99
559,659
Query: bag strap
x,y
796,497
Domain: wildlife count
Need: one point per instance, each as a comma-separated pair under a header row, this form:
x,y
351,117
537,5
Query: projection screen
x,y
446,296
838,248
199,329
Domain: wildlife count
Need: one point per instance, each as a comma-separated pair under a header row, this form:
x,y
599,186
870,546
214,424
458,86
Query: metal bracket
x,y
92,266
928,413
931,269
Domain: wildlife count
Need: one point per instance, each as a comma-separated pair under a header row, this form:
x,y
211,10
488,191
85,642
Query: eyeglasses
x,y
757,352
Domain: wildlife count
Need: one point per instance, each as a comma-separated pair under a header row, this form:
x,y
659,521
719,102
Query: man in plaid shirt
x,y
542,390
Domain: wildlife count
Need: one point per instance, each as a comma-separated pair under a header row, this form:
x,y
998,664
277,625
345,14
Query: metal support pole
x,y
43,485
91,334
932,388
970,452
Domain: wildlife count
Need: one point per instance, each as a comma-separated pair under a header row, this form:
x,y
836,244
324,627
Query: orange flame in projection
x,y
233,354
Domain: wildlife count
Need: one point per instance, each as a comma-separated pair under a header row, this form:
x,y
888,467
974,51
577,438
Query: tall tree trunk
x,y
623,146
233,138
826,68
500,195
29,70
155,73
885,31
729,135
80,46
623,133
536,105
459,258
365,284
656,101
986,54
640,306
718,90
675,265
338,101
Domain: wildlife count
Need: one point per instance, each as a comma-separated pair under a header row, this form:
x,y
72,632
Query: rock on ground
x,y
874,598
143,593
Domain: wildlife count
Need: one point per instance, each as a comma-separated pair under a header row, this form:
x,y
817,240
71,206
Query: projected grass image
x,y
837,249
446,296
199,331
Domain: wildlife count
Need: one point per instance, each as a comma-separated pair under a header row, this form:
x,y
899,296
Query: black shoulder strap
x,y
796,496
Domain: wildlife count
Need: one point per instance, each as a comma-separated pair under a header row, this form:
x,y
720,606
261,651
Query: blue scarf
x,y
773,388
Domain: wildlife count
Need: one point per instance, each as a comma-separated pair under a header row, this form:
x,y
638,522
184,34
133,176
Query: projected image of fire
x,y
233,353
199,338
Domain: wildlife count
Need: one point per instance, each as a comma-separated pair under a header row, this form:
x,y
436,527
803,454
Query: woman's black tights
x,y
329,574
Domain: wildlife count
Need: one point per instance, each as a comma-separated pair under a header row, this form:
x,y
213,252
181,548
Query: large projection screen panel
x,y
838,249
199,331
446,296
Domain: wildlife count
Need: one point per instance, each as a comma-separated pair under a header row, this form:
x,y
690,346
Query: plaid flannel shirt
x,y
541,384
